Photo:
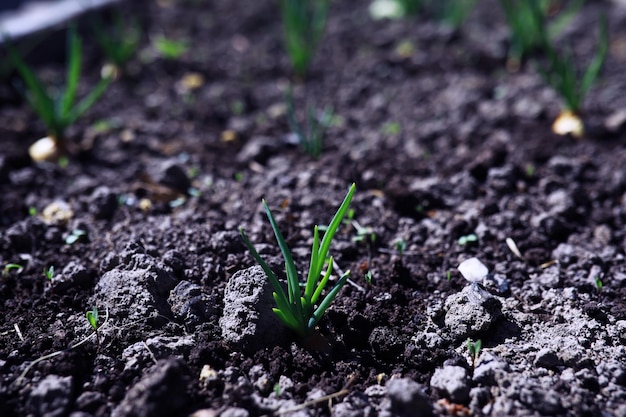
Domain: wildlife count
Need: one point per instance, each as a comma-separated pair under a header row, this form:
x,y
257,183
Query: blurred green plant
x,y
304,22
120,42
170,48
449,12
57,107
301,312
561,72
530,29
311,133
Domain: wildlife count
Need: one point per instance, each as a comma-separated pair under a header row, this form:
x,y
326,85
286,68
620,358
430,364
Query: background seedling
x,y
75,236
301,312
49,273
473,348
120,43
303,24
92,318
11,267
598,281
58,108
560,71
312,132
464,240
170,48
529,28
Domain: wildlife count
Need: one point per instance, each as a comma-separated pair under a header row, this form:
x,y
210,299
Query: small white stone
x,y
473,270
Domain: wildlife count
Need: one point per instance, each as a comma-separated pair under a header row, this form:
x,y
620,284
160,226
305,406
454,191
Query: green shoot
x,y
369,276
10,267
560,72
303,23
311,134
120,43
473,348
59,110
399,244
170,48
599,284
75,236
448,12
464,240
49,273
302,311
92,318
529,29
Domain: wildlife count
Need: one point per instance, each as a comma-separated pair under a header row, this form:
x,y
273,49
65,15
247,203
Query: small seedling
x,y
560,72
92,318
303,23
464,240
170,48
120,43
369,276
529,29
312,132
11,267
49,273
599,284
57,109
363,234
75,236
399,244
473,348
302,311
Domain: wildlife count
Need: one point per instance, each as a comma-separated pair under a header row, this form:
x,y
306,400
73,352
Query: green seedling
x,y
32,211
464,240
473,348
451,12
303,24
170,48
12,267
92,318
120,43
363,234
57,107
599,284
311,134
399,244
561,73
302,311
391,128
49,273
75,236
529,28
369,276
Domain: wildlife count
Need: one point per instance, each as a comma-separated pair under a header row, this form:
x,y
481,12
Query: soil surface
x,y
442,142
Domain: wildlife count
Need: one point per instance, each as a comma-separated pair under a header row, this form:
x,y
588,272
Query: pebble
x,y
452,382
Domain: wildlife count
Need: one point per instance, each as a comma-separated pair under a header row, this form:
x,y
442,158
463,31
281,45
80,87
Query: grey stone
x,y
191,304
542,399
453,382
248,321
407,399
546,358
162,391
172,175
469,312
235,412
489,369
51,397
103,203
136,290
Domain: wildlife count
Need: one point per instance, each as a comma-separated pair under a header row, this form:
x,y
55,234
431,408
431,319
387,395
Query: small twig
x,y
18,331
344,391
19,379
349,281
150,352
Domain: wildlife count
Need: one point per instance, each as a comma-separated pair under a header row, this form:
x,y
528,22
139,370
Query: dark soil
x,y
473,154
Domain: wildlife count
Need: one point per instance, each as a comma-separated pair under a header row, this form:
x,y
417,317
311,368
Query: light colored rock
x,y
452,382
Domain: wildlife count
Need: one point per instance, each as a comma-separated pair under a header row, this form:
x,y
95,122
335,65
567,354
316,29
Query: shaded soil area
x,y
442,142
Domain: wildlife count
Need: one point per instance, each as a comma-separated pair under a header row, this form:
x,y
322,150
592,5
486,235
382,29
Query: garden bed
x,y
442,142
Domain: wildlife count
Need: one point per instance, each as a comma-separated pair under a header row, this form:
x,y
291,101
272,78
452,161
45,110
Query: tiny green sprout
x,y
63,162
10,267
170,48
312,132
391,128
399,244
530,170
92,318
464,240
297,310
75,236
473,349
238,176
277,389
448,275
369,276
49,273
32,211
599,284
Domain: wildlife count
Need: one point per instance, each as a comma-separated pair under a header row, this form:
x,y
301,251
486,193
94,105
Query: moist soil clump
x,y
453,158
